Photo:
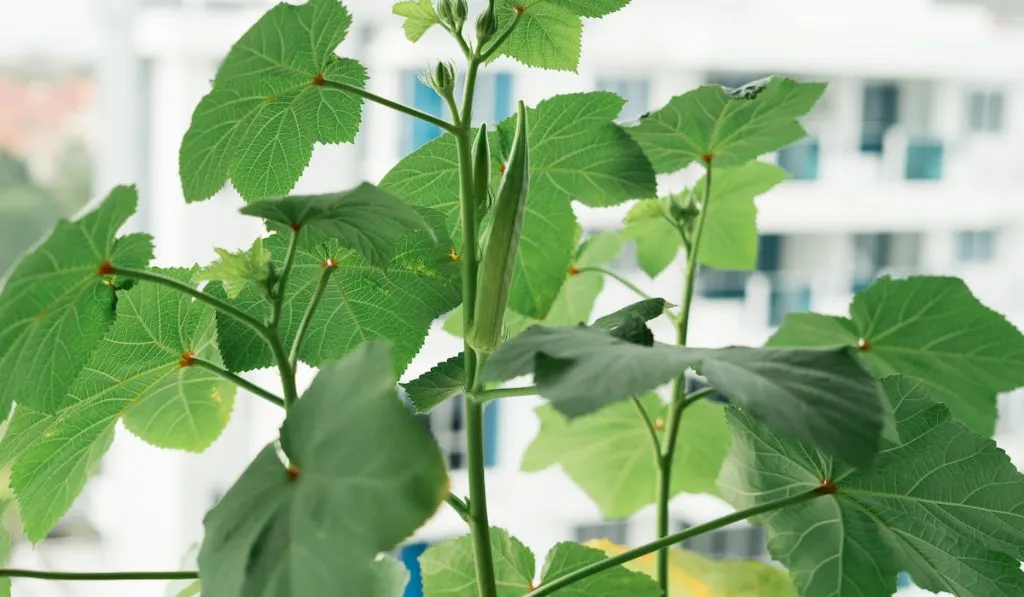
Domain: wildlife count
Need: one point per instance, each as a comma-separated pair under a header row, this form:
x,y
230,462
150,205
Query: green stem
x,y
670,540
238,381
199,295
282,280
46,575
679,402
284,367
443,124
698,396
488,395
307,318
607,272
460,506
650,427
479,524
495,43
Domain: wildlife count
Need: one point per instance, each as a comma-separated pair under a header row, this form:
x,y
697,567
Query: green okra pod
x,y
482,174
499,255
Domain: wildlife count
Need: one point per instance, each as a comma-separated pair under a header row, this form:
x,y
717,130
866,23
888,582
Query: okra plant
x,y
862,444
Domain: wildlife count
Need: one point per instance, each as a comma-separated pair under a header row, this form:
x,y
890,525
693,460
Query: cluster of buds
x,y
441,78
453,13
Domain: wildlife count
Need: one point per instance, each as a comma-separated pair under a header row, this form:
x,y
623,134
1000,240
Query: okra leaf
x,y
419,17
142,371
271,102
944,505
657,240
58,302
237,270
361,302
366,218
592,8
444,380
630,323
567,557
708,124
730,235
822,396
449,568
362,475
929,327
607,453
690,571
611,170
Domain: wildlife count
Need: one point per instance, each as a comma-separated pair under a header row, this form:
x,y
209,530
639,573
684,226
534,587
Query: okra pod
x,y
499,255
481,174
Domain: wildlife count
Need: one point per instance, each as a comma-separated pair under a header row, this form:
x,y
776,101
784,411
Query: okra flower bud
x,y
499,256
441,79
446,13
486,25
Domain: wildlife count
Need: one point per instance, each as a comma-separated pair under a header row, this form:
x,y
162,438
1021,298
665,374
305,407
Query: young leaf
x,y
707,123
612,170
271,102
449,568
444,380
566,557
657,239
361,302
630,323
419,17
137,371
691,574
821,396
363,475
730,228
608,453
58,303
943,505
927,327
240,269
366,219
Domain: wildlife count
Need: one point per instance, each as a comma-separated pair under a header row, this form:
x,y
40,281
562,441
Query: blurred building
x,y
912,166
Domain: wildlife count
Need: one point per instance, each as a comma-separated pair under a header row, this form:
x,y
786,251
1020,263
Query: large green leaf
x,y
927,327
550,32
822,396
609,453
419,17
944,505
730,235
139,371
362,476
58,303
565,558
710,124
692,575
449,568
576,152
365,218
361,302
270,105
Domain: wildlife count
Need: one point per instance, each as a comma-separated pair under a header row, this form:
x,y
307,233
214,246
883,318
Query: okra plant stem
x,y
679,401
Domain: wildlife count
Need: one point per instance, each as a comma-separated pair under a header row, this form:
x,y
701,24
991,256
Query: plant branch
x,y
679,401
460,506
621,280
439,122
282,280
650,427
307,318
238,381
199,295
47,575
698,396
670,540
485,55
495,394
284,367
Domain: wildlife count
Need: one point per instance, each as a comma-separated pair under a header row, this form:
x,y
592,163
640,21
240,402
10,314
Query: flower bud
x,y
446,12
461,12
486,25
441,79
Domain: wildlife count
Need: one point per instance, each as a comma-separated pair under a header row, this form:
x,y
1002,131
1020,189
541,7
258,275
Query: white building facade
x,y
913,165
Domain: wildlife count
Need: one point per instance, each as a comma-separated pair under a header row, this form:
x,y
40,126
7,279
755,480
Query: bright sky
x,y
65,28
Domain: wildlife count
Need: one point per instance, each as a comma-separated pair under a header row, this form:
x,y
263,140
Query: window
x,y
447,423
635,91
975,246
881,111
924,160
870,256
723,284
740,542
492,103
985,111
801,159
616,531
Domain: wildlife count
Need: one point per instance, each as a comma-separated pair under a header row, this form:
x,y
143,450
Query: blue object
x,y
801,159
427,100
410,556
924,160
491,434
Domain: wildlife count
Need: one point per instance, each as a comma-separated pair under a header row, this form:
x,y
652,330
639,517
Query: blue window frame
x,y
881,111
491,434
425,99
975,246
